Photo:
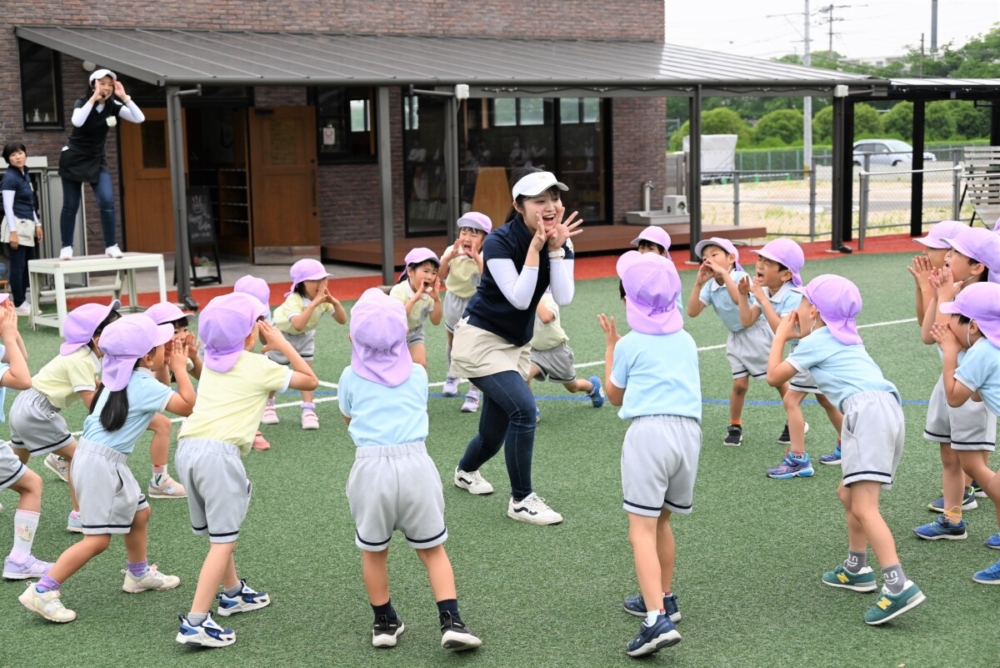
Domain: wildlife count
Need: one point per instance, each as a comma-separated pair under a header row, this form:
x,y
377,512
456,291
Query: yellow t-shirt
x,y
548,336
65,375
463,277
402,292
230,405
294,305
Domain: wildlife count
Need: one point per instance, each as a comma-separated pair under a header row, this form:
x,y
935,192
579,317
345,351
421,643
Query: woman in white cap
x,y
83,160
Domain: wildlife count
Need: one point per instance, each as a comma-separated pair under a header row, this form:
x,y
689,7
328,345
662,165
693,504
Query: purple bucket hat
x,y
656,235
979,302
651,286
724,244
82,322
418,256
224,325
788,253
307,270
255,287
477,221
164,313
839,302
946,229
124,342
981,245
378,339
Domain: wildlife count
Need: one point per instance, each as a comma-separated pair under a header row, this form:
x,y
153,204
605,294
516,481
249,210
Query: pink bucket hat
x,y
255,287
946,229
307,270
124,342
225,324
378,339
82,322
981,245
419,256
164,313
651,286
788,253
477,221
979,302
724,244
656,235
839,302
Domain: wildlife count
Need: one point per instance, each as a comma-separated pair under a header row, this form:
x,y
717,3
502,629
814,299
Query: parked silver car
x,y
890,152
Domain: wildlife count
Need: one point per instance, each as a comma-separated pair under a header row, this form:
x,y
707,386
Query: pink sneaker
x,y
260,443
310,420
270,415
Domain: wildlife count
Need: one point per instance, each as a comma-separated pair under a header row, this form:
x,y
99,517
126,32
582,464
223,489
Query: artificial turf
x,y
749,557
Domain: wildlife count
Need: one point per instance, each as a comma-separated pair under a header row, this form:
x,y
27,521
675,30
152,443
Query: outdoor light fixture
x,y
89,66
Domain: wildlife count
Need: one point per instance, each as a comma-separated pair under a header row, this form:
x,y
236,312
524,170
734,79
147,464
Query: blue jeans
x,y
72,194
506,419
19,270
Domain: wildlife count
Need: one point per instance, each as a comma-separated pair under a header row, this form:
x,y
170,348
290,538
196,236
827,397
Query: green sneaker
x,y
889,606
863,580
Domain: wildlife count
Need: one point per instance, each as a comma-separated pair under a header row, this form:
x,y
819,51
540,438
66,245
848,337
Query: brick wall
x,y
639,139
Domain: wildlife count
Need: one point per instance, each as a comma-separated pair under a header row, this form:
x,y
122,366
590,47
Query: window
x,y
511,111
41,97
344,124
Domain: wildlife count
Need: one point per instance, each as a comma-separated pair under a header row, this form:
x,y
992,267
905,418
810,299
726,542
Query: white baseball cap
x,y
535,184
101,73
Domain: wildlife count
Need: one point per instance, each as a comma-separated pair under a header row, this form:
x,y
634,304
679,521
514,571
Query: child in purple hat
x,y
232,393
37,426
652,373
653,239
259,289
110,499
394,485
872,438
461,269
297,319
419,291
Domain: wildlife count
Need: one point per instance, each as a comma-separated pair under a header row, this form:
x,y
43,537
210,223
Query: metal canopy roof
x,y
490,66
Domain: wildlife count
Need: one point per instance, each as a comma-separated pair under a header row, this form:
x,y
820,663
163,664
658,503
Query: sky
x,y
863,28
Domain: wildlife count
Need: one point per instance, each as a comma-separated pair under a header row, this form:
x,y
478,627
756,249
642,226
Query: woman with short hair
x,y
19,205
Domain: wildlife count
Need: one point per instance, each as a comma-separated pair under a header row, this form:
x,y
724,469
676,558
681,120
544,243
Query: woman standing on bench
x,y
83,159
19,214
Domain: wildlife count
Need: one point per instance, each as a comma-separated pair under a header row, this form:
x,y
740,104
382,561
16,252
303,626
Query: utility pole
x,y
934,14
828,10
921,75
807,138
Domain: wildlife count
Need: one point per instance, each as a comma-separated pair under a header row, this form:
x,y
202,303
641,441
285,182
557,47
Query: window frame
x,y
60,122
348,158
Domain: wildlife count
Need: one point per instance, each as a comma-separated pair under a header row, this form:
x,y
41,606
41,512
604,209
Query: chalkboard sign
x,y
201,229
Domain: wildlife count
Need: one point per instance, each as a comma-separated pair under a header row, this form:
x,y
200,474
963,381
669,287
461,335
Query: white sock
x,y
651,616
25,523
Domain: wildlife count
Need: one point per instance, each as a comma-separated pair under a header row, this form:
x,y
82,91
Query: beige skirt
x,y
476,353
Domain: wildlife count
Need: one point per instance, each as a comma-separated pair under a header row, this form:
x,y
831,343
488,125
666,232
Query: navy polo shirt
x,y
489,309
24,197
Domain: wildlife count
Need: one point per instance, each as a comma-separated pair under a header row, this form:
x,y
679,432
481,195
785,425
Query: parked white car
x,y
888,152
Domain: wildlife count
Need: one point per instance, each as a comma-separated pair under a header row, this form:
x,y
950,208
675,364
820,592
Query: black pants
x,y
19,270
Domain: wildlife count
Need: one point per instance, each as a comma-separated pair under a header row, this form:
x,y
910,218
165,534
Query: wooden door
x,y
284,185
148,198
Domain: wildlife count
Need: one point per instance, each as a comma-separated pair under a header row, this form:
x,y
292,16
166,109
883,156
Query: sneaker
x,y
889,606
450,388
455,635
270,415
153,580
473,481
785,439
734,435
863,580
634,605
31,568
247,600
165,487
66,253
471,403
114,252
968,503
792,467
48,605
58,465
23,309
942,529
310,420
74,524
977,490
534,510
988,576
832,459
538,414
385,631
993,542
596,393
653,638
260,443
206,634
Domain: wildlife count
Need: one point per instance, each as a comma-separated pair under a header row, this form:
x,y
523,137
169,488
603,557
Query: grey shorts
x,y
415,336
36,425
871,441
454,309
804,382
108,493
396,488
659,464
11,468
556,364
748,349
218,491
304,344
969,427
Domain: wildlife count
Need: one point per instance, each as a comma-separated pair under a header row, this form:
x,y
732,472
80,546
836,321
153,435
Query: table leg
x,y
36,295
60,280
162,276
133,293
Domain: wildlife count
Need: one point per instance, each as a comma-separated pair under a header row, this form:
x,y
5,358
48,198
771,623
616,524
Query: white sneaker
x,y
246,601
166,488
206,634
66,253
113,252
534,510
23,309
47,605
58,465
472,481
153,579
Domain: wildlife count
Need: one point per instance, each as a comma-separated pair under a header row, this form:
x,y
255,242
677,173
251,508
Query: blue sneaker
x,y
538,414
792,467
634,605
653,638
968,503
246,601
832,459
596,394
206,634
988,576
942,529
889,606
74,524
993,542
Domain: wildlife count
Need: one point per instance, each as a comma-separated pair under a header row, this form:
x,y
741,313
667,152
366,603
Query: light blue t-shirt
x,y
3,390
840,370
659,374
146,397
383,415
717,296
979,371
784,301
